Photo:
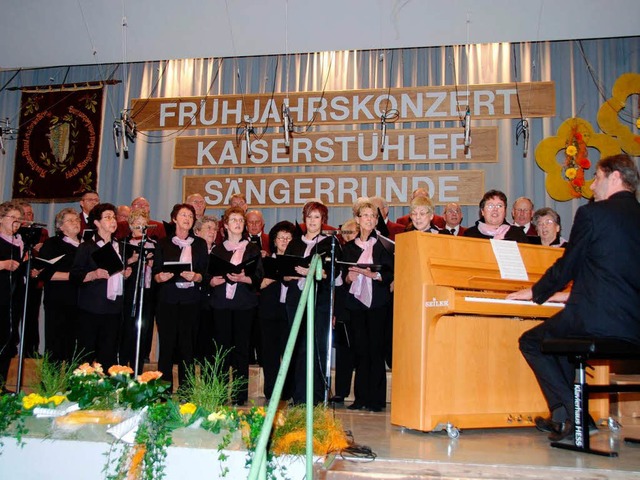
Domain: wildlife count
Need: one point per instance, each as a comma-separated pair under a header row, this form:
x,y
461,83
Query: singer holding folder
x,y
100,297
367,302
235,297
312,242
11,283
177,311
60,294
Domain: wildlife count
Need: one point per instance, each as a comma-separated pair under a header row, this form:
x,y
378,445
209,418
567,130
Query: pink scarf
x,y
238,249
496,233
71,241
185,256
147,268
311,244
14,240
362,288
116,281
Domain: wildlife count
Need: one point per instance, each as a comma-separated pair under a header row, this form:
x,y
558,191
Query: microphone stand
x,y
332,290
138,296
28,249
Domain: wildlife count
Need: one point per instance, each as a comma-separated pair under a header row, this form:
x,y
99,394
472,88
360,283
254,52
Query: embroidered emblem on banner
x,y
58,144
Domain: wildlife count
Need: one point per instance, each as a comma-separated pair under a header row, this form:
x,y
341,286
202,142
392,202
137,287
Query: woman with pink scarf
x,y
235,298
315,215
11,283
492,224
177,311
100,297
367,302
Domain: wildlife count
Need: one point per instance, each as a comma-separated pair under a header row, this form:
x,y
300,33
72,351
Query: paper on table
x,y
509,260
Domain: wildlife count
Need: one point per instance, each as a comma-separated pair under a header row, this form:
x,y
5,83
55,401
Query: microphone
x,y
27,223
467,130
286,124
383,126
247,138
143,227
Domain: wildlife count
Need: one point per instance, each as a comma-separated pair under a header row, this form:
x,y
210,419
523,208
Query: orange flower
x,y
84,369
148,376
119,370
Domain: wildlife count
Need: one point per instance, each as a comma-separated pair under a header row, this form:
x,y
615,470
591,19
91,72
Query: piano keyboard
x,y
513,302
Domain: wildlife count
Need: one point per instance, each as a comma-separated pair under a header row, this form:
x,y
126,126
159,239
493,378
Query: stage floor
x,y
480,453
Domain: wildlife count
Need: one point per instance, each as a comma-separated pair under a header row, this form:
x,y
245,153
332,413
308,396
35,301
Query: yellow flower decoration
x,y
56,399
546,151
571,173
32,400
571,150
187,409
216,416
608,119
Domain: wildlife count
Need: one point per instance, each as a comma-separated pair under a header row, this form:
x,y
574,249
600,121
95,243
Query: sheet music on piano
x,y
509,260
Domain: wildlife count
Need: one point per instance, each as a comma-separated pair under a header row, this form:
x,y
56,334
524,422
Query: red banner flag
x,y
58,144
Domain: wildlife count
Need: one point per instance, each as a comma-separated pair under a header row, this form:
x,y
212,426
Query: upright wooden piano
x,y
456,360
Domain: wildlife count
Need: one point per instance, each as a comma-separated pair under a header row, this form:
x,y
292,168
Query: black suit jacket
x,y
601,259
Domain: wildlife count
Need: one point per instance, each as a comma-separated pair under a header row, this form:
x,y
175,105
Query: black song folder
x,y
108,259
218,267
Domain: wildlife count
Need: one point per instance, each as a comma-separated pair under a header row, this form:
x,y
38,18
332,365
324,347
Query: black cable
x,y
324,89
601,90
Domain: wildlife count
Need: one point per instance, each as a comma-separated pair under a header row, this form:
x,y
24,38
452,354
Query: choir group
x,y
213,285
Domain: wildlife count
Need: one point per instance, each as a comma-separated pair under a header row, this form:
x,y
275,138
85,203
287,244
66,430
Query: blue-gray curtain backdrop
x,y
580,79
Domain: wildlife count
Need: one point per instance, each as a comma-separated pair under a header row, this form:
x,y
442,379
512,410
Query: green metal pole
x,y
260,454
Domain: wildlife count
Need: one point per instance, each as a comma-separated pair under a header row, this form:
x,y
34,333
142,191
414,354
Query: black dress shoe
x,y
564,432
546,424
376,409
336,399
356,406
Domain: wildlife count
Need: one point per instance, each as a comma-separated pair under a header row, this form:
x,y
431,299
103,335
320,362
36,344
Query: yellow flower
x,y
216,416
638,123
187,409
571,173
32,400
609,119
56,399
571,150
546,157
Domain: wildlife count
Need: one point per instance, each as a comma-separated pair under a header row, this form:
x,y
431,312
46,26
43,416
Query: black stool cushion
x,y
592,347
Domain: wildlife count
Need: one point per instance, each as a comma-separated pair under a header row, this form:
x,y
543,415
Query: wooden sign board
x,y
338,148
339,189
413,104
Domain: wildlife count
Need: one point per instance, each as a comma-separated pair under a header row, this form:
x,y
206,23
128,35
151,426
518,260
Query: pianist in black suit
x,y
368,301
604,300
492,223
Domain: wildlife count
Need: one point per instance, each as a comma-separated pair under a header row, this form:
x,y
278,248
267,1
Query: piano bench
x,y
579,351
